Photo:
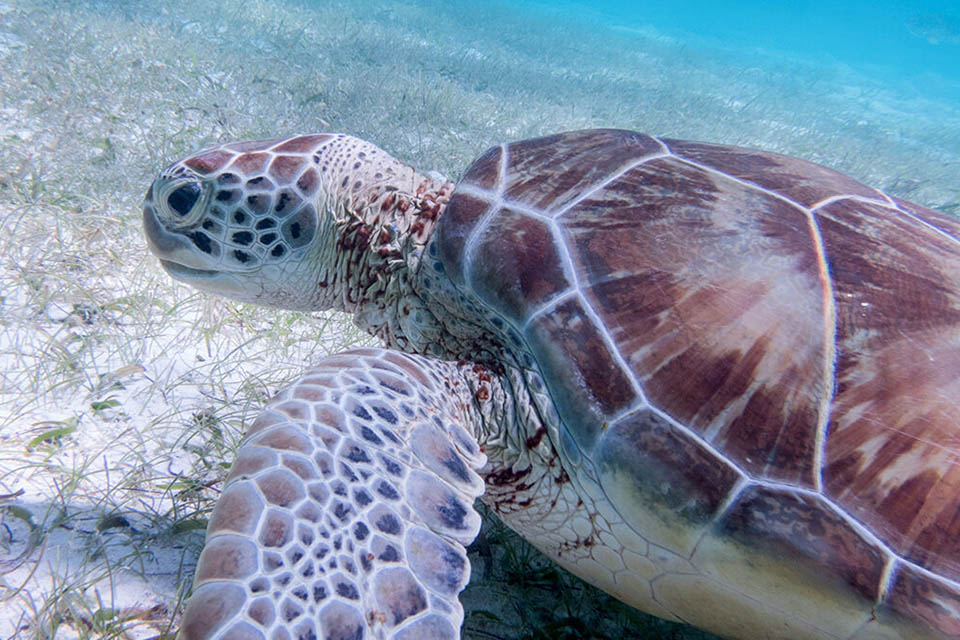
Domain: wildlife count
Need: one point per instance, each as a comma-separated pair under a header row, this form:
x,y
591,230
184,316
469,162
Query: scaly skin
x,y
363,254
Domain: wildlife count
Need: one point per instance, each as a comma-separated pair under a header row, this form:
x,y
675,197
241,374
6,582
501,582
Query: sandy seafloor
x,y
122,395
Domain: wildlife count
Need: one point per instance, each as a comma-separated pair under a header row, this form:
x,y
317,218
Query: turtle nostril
x,y
182,200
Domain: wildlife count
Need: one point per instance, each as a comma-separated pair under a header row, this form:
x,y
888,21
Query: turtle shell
x,y
759,355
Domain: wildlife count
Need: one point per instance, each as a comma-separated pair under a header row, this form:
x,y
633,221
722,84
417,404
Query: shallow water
x,y
911,46
95,97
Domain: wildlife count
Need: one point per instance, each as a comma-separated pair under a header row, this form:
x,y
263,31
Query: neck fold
x,y
383,213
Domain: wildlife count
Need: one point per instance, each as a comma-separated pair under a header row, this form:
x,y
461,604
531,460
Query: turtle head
x,y
240,220
264,221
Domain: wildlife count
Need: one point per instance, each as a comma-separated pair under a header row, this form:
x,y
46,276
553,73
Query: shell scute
x,y
802,529
580,161
484,172
704,283
892,450
659,473
803,327
459,218
587,383
517,282
799,180
788,550
947,225
920,598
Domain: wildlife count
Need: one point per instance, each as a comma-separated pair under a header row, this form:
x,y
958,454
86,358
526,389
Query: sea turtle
x,y
720,384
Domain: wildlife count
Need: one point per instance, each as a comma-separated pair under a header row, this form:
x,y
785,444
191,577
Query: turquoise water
x,y
913,46
97,95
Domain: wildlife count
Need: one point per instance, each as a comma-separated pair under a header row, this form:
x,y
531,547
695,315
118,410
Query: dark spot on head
x,y
266,223
208,224
241,256
282,201
308,181
300,592
226,195
239,217
300,229
360,412
227,178
278,251
268,238
243,237
202,242
258,203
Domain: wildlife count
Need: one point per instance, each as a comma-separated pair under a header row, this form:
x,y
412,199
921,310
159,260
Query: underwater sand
x,y
122,394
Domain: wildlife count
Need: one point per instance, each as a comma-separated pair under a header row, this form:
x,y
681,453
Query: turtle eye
x,y
182,200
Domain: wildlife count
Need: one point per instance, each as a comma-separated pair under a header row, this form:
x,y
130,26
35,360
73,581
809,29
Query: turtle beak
x,y
168,245
161,242
177,253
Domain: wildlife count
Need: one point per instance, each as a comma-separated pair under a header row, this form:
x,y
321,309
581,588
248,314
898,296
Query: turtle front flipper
x,y
347,510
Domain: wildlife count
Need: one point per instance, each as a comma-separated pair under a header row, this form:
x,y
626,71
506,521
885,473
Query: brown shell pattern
x,y
780,341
